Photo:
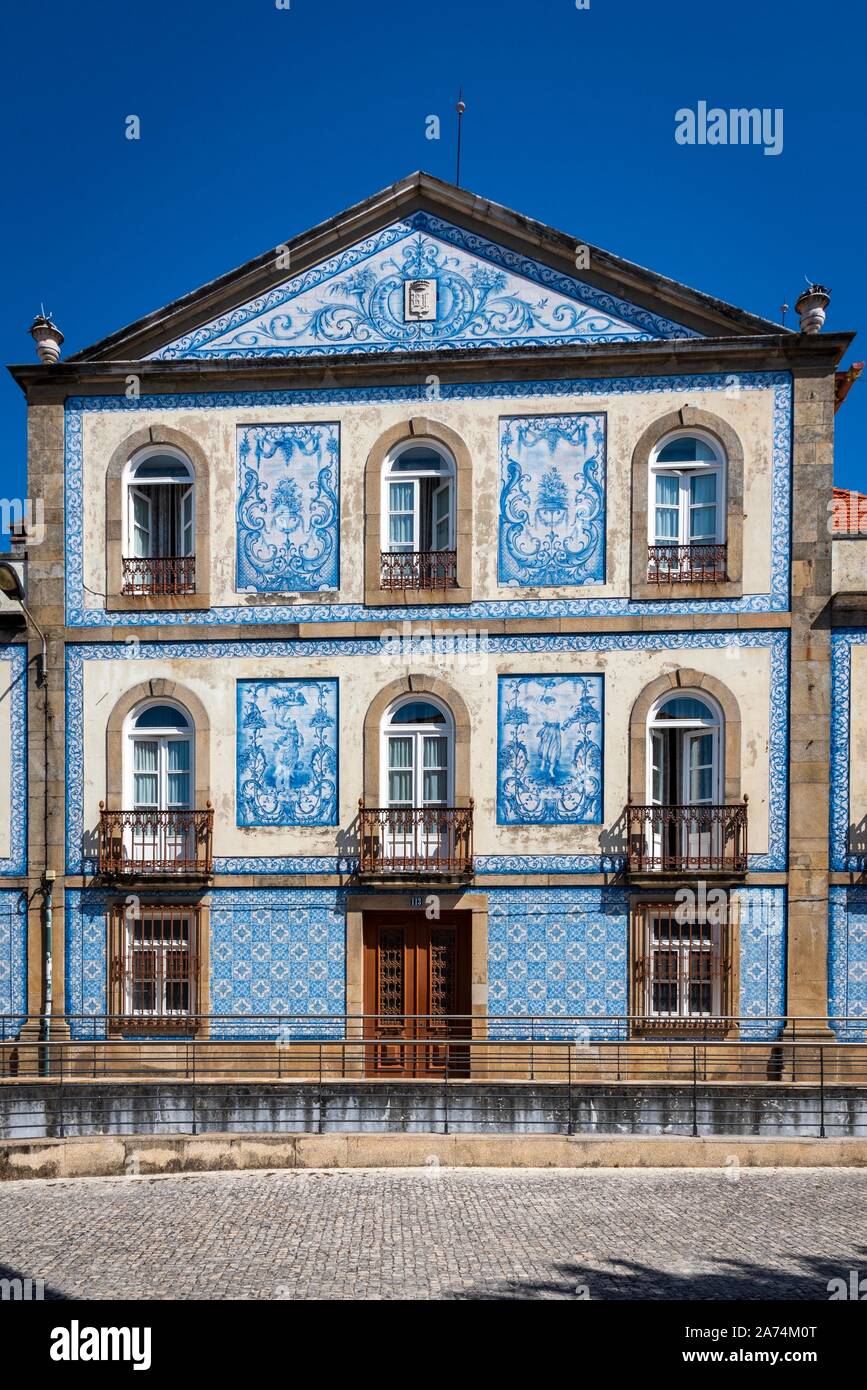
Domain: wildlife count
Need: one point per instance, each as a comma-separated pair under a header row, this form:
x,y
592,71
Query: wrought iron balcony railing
x,y
156,842
166,575
419,569
687,839
415,839
686,564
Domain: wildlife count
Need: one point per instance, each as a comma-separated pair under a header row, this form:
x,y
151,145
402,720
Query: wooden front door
x,y
416,992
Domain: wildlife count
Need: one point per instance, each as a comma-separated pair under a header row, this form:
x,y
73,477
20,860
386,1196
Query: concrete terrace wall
x,y
47,1111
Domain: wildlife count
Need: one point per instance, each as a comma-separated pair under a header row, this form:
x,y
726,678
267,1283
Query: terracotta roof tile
x,y
849,517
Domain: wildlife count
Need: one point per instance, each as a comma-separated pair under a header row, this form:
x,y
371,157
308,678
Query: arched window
x,y
418,753
687,509
418,510
685,751
159,523
418,824
155,822
685,781
157,830
159,758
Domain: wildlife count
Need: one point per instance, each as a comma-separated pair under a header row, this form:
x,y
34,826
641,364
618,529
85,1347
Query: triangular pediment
x,y
424,266
421,283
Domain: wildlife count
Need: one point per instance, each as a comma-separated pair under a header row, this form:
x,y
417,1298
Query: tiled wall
x,y
552,952
13,959
847,962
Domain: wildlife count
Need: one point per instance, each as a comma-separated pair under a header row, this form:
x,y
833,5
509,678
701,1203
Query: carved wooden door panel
x,y
416,988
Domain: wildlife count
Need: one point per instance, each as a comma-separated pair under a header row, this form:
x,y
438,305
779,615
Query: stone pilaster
x,y
46,731
809,752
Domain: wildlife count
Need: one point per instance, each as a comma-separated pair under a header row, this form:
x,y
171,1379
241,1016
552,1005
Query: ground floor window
x,y
682,962
154,962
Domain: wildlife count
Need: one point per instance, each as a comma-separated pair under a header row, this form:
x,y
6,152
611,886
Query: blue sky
x,y
257,122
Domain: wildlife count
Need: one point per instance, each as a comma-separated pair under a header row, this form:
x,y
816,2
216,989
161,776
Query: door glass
x,y
667,508
400,770
401,516
700,791
657,785
442,517
179,774
702,507
145,773
186,547
141,524
435,770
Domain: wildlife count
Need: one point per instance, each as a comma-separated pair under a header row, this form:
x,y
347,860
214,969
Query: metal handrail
x,y
418,569
415,839
697,563
567,1028
156,842
328,1073
158,575
686,838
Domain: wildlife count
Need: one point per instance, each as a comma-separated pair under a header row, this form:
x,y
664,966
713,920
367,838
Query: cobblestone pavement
x,y
440,1233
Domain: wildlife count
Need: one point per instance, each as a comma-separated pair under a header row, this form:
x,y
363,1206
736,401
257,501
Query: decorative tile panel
x,y
287,752
847,962
278,951
86,974
13,688
13,961
552,500
421,284
549,750
83,610
302,650
288,522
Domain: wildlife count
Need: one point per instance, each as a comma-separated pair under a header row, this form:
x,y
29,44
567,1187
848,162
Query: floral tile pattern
x,y
13,687
13,960
483,295
288,518
552,500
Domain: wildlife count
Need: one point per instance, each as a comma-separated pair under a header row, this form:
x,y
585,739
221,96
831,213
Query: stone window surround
x,y
156,689
200,909
421,428
454,900
416,685
731,948
115,521
682,681
678,420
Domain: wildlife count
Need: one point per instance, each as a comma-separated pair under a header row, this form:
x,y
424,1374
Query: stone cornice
x,y
802,354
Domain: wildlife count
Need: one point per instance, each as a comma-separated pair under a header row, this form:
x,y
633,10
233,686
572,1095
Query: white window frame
x,y
714,724
684,472
162,737
682,950
417,732
447,473
131,488
161,948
